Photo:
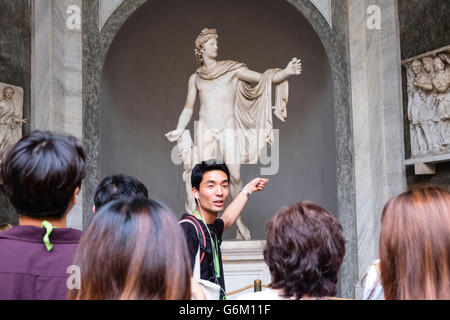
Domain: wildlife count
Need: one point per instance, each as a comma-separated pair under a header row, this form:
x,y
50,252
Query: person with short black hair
x,y
42,176
304,251
210,189
117,187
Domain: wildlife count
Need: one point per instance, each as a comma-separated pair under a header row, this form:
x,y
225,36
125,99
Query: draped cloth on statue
x,y
253,114
221,68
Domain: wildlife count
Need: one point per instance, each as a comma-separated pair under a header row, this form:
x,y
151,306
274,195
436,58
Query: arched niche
x,y
102,50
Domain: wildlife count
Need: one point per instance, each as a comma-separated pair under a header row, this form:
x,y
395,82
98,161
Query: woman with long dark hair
x,y
133,250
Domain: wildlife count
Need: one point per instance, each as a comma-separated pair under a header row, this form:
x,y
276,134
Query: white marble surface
x,y
377,122
324,7
429,159
243,262
106,9
57,76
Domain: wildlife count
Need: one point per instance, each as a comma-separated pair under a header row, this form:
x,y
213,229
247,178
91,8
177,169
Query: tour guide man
x,y
210,188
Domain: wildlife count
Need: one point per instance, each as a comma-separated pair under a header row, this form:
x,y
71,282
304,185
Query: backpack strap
x,y
197,226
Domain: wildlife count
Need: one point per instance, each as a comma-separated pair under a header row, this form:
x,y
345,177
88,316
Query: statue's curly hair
x,y
304,250
205,35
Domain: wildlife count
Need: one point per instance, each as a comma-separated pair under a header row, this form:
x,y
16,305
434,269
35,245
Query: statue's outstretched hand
x,y
294,67
174,135
257,184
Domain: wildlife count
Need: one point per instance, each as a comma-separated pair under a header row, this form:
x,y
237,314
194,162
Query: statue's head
x,y
439,64
416,66
428,64
8,92
204,36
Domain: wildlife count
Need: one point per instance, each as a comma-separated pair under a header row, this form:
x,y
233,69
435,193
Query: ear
x,y
74,195
93,209
195,193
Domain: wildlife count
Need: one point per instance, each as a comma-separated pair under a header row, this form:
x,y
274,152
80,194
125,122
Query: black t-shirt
x,y
207,265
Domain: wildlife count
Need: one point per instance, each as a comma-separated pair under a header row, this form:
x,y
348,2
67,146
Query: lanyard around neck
x,y
215,246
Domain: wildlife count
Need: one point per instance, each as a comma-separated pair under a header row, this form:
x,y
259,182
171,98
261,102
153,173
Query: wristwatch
x,y
244,191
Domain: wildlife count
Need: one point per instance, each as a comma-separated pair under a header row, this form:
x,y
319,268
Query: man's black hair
x,y
119,187
205,166
41,172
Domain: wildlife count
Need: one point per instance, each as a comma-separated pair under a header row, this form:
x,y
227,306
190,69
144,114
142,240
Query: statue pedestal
x,y
243,262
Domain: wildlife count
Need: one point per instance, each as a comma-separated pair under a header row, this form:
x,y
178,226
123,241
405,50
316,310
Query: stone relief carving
x,y
11,110
428,87
235,119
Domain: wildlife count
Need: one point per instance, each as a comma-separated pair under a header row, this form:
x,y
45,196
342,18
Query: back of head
x,y
119,187
415,244
41,172
133,250
304,250
200,169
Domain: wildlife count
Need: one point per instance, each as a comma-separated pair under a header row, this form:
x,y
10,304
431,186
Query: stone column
x,y
56,80
377,120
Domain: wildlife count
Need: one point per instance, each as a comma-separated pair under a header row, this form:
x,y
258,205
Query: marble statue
x,y
441,82
10,119
417,111
235,119
430,119
428,87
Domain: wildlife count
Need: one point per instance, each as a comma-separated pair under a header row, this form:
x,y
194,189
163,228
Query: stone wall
x,y
15,68
377,122
56,67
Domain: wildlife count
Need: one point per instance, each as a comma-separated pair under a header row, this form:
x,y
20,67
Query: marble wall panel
x,y
15,69
324,7
377,122
106,9
57,76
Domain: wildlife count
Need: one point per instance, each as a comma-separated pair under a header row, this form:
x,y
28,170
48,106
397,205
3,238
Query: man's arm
x,y
187,112
233,211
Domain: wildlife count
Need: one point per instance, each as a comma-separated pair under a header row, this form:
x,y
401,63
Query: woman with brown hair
x,y
415,245
133,250
304,251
